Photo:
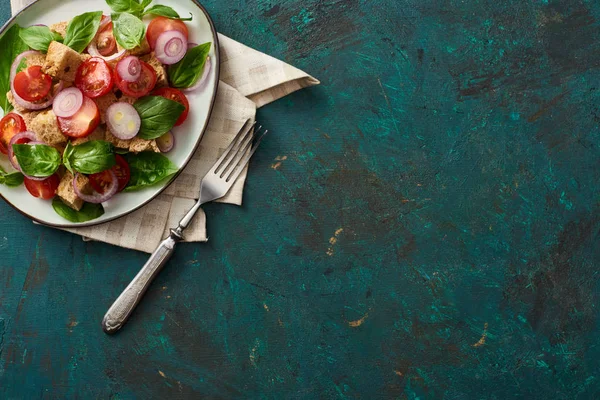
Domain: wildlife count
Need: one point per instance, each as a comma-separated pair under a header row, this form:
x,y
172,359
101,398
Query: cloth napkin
x,y
249,80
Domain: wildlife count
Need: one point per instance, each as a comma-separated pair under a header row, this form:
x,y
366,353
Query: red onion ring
x,y
20,101
68,102
98,198
171,47
166,142
202,80
11,156
103,22
130,69
123,120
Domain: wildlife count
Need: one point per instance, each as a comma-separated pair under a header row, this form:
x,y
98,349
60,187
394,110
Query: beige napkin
x,y
249,79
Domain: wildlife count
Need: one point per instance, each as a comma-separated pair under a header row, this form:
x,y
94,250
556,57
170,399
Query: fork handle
x,y
122,308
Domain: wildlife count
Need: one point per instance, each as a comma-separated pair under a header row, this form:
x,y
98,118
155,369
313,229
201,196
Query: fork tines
x,y
239,152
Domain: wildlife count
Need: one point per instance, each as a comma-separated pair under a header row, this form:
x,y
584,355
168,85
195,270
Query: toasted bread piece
x,y
66,192
139,145
104,102
35,59
98,134
45,126
60,28
16,106
62,62
118,143
161,73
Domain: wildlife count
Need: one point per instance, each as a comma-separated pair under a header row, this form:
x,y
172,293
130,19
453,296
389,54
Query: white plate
x,y
188,135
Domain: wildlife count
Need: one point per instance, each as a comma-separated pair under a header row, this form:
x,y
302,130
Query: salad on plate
x,y
90,104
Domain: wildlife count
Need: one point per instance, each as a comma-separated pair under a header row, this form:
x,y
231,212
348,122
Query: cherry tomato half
x,y
105,41
163,24
102,180
10,125
178,96
94,78
142,86
32,84
83,122
45,189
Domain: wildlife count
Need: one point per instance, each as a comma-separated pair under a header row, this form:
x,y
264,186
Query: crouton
x,y
28,116
35,59
16,106
139,145
118,143
98,134
62,62
122,98
104,102
60,28
46,128
141,50
161,73
66,192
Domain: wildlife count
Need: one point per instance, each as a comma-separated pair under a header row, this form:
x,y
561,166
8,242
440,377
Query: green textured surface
x,y
453,146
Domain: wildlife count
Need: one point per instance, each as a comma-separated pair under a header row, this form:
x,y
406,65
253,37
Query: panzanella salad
x,y
90,103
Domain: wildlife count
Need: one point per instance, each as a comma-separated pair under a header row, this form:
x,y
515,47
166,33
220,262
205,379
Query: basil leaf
x,y
89,157
11,46
165,11
22,65
39,37
148,169
186,72
146,3
82,29
128,6
11,180
158,116
128,29
87,213
39,160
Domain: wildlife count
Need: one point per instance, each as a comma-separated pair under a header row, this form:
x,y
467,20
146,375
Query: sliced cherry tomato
x,y
102,180
45,189
142,86
83,122
10,125
105,41
163,24
32,84
94,78
178,96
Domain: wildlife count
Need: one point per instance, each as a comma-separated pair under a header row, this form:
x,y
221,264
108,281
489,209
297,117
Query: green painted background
x,y
453,147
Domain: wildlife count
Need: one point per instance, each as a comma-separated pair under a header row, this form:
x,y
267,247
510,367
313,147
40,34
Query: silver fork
x,y
214,185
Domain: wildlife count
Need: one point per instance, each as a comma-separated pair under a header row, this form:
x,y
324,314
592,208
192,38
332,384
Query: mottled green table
x,y
423,225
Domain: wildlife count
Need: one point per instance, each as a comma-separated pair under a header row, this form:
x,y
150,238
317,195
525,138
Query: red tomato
x,y
10,125
83,123
102,180
163,24
105,41
45,189
94,78
144,84
178,96
32,84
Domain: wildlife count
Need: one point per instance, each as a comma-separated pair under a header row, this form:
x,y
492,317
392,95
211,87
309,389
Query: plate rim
x,y
185,163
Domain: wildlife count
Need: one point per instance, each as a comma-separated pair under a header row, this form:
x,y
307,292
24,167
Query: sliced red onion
x,y
98,198
68,102
103,22
166,142
20,101
171,47
130,69
30,136
201,82
123,120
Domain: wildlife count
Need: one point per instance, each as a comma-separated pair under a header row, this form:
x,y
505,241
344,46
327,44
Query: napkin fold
x,y
249,80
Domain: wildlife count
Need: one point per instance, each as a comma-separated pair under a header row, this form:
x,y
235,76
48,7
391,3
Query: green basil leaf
x,y
158,116
39,37
11,46
128,6
146,3
87,213
82,29
11,180
89,157
186,72
22,65
148,169
165,11
128,29
39,160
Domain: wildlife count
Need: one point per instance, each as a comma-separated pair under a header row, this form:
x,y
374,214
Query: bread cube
x,y
98,134
161,73
66,192
139,145
104,102
118,143
62,62
46,129
60,28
